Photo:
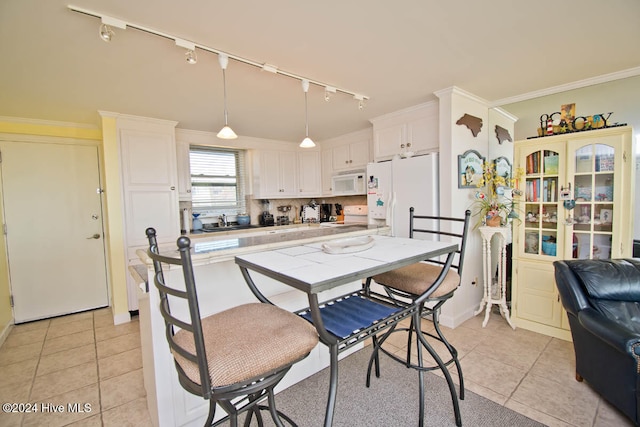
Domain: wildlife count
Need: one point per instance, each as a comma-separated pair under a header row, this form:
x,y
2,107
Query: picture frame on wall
x,y
470,169
503,168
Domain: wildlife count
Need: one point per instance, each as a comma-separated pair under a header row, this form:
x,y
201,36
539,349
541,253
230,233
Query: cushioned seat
x,y
416,278
264,339
233,358
602,300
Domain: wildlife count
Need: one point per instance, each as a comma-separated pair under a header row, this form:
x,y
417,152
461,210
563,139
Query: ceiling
x,y
55,66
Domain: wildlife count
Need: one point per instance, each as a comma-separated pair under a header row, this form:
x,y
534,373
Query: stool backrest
x,y
443,228
176,297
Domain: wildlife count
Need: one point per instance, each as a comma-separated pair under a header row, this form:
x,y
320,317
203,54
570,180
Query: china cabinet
x,y
576,204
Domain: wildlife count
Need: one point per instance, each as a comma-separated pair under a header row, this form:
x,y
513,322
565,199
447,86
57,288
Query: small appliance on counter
x,y
311,213
266,217
325,212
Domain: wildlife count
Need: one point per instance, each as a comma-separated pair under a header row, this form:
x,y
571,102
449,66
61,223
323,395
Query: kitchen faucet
x,y
222,220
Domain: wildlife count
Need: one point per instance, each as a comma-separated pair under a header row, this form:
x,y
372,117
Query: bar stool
x,y
233,358
415,281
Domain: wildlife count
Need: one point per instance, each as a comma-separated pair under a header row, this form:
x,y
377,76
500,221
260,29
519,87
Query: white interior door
x,y
53,215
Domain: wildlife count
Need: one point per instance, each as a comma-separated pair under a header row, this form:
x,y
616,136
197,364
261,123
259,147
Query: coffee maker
x,y
325,212
266,218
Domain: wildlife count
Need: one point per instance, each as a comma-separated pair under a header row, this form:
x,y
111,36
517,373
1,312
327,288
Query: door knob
x,y
95,236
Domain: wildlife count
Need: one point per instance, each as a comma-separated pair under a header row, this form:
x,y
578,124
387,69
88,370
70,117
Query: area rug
x,y
391,401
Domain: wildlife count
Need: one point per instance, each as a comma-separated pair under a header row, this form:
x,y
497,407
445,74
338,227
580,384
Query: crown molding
x,y
631,72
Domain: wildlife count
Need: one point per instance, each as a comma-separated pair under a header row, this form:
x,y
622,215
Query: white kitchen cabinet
x,y
327,171
309,174
577,205
184,171
352,156
411,130
149,185
286,174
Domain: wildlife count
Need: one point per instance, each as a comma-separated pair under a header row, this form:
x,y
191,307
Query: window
x,y
217,179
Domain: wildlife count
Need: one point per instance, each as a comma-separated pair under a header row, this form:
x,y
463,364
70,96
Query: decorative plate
x,y
347,246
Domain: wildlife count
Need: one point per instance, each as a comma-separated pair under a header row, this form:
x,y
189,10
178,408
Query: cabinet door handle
x,y
173,188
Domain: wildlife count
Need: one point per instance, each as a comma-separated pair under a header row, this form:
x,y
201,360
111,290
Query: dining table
x,y
322,266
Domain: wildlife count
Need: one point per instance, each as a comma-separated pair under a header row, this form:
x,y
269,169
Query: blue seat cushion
x,y
348,315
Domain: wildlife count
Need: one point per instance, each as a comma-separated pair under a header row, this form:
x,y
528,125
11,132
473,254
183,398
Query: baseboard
x,y
5,333
121,318
456,320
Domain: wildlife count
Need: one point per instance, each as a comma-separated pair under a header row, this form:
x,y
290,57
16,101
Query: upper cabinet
x,y
150,194
184,171
348,152
286,174
351,156
412,130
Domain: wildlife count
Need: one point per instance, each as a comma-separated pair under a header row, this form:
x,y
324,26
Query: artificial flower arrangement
x,y
495,205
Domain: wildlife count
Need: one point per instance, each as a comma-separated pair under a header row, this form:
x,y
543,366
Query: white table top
x,y
308,268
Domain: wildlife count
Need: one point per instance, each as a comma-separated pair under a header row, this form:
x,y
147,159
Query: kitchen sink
x,y
230,228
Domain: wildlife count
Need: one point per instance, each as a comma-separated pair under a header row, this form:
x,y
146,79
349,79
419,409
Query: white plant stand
x,y
489,299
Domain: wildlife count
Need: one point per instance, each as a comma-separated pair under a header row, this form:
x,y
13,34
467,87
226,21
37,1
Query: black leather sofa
x,y
602,300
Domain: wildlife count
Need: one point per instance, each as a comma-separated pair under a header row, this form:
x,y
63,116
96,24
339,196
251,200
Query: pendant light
x,y
306,142
226,132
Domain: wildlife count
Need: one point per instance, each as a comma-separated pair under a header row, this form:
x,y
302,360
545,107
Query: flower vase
x,y
494,221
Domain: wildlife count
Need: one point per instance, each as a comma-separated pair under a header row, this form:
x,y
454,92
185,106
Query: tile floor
x,y
83,358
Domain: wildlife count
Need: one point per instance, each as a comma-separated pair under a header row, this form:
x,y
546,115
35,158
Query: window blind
x,y
217,179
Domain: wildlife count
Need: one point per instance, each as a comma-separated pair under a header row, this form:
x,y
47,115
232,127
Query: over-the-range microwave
x,y
350,184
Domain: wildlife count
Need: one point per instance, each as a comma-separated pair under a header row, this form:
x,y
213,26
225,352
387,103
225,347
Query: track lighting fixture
x,y
360,100
190,54
328,91
226,132
106,32
306,142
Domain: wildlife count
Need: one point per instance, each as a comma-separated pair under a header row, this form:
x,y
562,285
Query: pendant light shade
x,y
226,132
306,142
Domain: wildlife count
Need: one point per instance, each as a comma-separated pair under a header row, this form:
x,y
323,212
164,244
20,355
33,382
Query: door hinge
x,y
4,228
11,300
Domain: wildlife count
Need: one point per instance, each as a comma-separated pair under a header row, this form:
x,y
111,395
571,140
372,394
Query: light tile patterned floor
x,y
530,373
83,358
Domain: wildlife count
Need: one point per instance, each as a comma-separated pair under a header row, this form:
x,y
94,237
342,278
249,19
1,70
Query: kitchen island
x,y
220,286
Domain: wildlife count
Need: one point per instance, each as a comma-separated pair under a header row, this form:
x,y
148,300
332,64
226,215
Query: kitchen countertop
x,y
224,246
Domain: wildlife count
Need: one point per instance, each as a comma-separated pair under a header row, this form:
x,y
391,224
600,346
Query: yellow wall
x,y
113,219
6,314
116,256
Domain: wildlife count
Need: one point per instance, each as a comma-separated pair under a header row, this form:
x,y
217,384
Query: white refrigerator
x,y
395,186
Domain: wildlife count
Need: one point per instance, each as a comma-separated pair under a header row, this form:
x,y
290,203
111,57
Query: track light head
x,y
191,57
360,99
328,91
106,33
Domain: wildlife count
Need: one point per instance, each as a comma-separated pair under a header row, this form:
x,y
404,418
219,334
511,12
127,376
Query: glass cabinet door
x,y
541,216
593,216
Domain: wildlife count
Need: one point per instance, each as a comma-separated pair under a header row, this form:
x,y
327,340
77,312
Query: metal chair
x,y
233,358
419,284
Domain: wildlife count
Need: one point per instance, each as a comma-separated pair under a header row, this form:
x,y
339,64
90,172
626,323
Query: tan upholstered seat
x,y
416,278
248,341
234,358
